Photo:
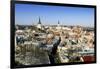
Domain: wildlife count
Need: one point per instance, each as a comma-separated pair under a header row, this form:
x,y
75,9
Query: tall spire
x,y
58,22
39,21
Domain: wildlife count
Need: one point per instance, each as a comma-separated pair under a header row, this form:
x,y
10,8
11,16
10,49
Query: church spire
x,y
39,21
39,25
58,22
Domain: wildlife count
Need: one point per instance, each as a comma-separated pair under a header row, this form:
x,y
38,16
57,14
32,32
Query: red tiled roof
x,y
88,58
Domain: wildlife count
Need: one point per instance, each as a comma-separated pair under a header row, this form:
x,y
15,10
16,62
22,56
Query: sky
x,y
28,14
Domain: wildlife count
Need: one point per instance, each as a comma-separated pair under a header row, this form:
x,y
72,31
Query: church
x,y
39,25
58,26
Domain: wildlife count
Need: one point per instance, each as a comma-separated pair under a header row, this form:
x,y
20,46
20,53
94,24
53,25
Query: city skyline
x,y
26,14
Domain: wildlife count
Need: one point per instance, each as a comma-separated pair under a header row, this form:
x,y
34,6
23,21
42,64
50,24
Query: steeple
x,y
58,26
39,21
58,22
39,25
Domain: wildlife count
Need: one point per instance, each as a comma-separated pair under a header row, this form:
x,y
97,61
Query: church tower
x,y
58,23
58,26
39,25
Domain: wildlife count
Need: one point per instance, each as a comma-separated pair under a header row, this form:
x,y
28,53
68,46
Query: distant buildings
x,y
71,43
